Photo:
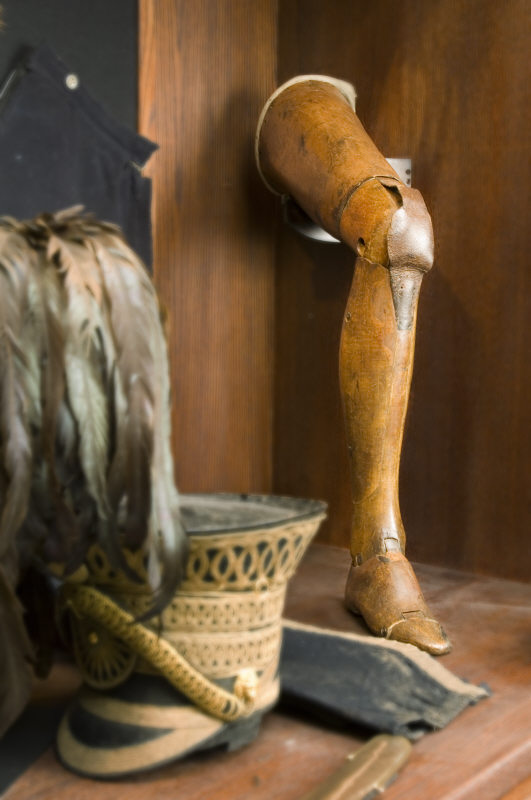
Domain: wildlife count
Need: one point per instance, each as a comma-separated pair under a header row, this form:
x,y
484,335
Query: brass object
x,y
365,773
311,146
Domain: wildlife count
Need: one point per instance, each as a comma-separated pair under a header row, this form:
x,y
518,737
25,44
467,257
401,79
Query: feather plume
x,y
15,441
84,416
129,475
15,437
84,379
143,368
46,335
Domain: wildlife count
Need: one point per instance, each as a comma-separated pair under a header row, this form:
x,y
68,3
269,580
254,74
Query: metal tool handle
x,y
365,773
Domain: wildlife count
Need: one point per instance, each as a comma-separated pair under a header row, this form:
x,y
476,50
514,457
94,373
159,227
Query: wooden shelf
x,y
485,753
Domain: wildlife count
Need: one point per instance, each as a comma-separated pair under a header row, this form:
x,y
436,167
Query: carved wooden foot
x,y
385,591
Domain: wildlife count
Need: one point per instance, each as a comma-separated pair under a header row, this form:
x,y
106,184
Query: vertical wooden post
x,y
205,68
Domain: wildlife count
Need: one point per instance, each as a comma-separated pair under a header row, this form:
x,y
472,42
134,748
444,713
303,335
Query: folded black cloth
x,y
60,148
383,685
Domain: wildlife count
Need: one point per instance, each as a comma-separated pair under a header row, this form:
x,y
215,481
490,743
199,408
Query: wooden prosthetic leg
x,y
312,147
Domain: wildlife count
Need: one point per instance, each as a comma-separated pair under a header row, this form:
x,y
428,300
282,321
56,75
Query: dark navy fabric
x,y
60,148
380,687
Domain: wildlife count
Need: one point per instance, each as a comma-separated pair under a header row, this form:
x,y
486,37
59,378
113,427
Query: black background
x,y
97,39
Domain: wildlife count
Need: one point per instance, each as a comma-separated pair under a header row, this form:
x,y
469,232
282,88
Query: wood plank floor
x,y
485,754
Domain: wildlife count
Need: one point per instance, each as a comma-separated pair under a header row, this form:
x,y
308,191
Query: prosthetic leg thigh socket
x,y
203,673
312,148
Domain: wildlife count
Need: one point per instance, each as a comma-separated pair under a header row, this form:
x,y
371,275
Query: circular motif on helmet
x,y
104,660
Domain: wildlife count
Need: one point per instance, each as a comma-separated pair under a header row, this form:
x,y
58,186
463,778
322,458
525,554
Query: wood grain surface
x,y
444,83
205,69
484,754
486,751
520,792
255,331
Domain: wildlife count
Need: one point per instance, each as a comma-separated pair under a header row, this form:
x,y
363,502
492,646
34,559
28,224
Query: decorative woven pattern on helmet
x,y
213,612
248,560
238,561
223,655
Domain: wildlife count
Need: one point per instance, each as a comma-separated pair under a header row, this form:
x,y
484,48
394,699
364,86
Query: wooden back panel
x,y
205,69
255,336
444,83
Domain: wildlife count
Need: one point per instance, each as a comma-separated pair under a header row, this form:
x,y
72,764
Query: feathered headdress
x,y
84,417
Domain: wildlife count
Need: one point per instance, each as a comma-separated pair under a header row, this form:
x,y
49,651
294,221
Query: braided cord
x,y
87,601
